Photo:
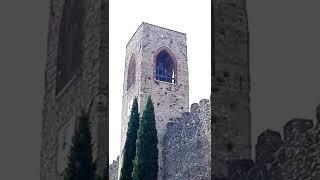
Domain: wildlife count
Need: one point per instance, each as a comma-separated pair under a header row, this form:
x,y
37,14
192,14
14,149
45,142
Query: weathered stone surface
x,y
87,86
187,145
296,157
113,170
231,84
268,143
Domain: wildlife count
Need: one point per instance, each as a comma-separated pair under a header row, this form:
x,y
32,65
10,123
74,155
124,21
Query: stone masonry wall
x,y
231,84
88,85
187,145
296,156
132,52
113,170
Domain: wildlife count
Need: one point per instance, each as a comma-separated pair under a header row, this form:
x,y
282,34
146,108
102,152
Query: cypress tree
x,y
130,144
146,160
80,165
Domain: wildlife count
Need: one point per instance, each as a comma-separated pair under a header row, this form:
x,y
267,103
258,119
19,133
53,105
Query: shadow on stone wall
x,y
295,156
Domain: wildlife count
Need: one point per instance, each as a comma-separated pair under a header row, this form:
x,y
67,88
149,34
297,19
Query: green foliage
x,y
146,160
129,150
80,165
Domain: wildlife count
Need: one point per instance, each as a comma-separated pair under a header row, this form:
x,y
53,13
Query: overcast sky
x,y
126,16
284,60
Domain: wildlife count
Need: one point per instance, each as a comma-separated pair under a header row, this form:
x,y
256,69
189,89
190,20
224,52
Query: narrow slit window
x,y
131,73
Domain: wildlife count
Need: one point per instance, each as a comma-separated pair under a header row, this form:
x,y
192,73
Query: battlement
x,y
296,128
268,143
269,136
203,104
295,157
113,169
201,110
187,144
145,25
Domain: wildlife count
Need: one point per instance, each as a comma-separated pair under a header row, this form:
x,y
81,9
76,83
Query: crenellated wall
x,y
187,144
113,169
296,156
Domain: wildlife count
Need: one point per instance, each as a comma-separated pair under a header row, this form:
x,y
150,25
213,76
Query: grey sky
x,y
285,61
284,71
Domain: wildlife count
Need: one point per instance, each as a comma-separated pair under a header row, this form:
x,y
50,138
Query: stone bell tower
x,y
156,64
75,79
